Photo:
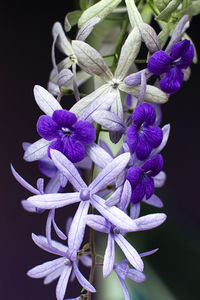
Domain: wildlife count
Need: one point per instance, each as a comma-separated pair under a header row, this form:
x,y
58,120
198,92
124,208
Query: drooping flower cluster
x,y
110,199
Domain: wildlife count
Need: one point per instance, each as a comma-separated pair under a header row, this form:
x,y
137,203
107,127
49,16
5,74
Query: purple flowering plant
x,y
114,133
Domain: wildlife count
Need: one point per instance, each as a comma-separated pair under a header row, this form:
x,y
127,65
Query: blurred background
x,y
25,55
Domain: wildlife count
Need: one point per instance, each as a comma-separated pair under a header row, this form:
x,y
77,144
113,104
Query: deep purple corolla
x,y
141,179
69,135
143,136
160,62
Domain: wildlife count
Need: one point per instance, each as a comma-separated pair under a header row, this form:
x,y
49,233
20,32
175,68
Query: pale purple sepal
x,y
54,275
116,216
46,268
68,169
62,282
109,257
23,182
105,146
125,196
49,201
102,102
166,131
37,150
159,180
109,120
77,228
54,184
150,221
82,280
143,87
98,155
59,233
86,260
40,185
98,223
147,253
135,210
135,78
130,252
124,288
68,224
64,76
29,207
87,28
86,163
55,247
154,201
110,172
136,276
181,27
115,197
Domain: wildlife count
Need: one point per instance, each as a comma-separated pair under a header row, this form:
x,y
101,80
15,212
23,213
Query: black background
x,y
25,28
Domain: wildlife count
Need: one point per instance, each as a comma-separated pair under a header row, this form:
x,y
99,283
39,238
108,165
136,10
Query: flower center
x,y
66,131
85,194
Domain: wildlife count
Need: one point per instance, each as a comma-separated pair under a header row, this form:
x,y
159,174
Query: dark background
x,y
25,28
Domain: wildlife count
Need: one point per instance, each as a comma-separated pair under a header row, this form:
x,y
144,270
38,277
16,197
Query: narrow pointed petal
x,y
62,42
86,260
87,28
154,200
59,233
46,268
110,172
116,216
53,185
130,252
49,201
67,168
103,102
23,182
105,146
37,150
109,257
62,283
135,210
98,155
77,228
150,221
124,288
147,253
46,102
109,120
98,223
82,280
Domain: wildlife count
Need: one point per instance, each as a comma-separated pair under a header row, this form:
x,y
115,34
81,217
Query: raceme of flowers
x,y
86,137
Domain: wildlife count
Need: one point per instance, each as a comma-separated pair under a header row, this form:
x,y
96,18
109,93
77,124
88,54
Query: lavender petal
x,y
62,282
46,268
136,275
154,200
150,221
109,120
55,247
82,280
125,196
159,179
135,210
98,155
98,223
37,150
109,257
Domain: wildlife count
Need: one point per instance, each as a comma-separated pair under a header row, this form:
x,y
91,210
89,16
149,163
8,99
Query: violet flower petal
x,y
143,148
64,118
132,137
46,268
130,252
136,275
147,253
124,288
68,169
179,49
166,131
134,176
54,275
125,196
110,172
77,228
73,149
82,280
49,201
84,132
115,197
154,135
135,210
109,257
159,63
187,58
47,128
55,247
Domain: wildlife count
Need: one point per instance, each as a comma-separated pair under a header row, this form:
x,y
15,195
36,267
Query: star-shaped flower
x,y
160,62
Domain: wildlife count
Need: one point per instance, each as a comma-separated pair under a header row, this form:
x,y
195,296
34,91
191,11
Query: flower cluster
x,y
109,199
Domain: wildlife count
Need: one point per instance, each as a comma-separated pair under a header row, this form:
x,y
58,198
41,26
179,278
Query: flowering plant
x,y
122,113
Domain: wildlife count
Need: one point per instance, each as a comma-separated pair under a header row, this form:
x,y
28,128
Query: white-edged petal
x,y
98,155
159,179
87,28
62,42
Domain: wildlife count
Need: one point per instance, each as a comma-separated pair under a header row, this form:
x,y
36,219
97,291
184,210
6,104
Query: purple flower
x,y
141,179
142,136
160,62
68,134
